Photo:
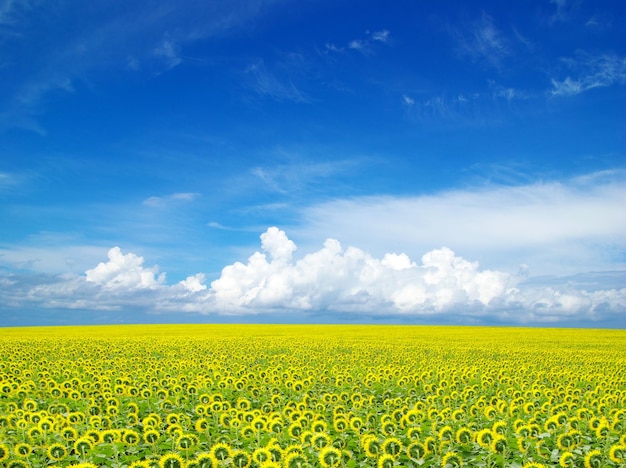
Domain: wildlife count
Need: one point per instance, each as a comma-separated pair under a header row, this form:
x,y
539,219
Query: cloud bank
x,y
344,283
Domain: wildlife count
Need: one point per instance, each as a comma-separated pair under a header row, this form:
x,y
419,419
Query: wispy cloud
x,y
589,72
563,9
483,42
364,45
135,37
169,200
267,84
169,50
298,175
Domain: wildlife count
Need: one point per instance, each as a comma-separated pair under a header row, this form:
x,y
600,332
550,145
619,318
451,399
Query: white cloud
x,y
194,283
169,51
267,83
364,45
380,36
556,227
344,282
168,200
591,72
124,272
483,42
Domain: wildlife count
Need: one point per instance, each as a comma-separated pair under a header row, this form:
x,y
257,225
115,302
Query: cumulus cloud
x,y
347,283
124,272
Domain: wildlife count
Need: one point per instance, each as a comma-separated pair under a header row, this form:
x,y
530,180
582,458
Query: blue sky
x,y
314,161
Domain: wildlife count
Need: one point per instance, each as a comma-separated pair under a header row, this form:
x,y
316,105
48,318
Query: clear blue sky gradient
x,y
468,158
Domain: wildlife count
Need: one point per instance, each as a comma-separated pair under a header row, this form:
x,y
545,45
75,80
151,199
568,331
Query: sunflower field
x,y
296,396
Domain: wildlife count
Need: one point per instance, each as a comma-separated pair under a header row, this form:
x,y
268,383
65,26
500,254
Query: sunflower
x,y
261,455
463,436
594,459
56,452
329,457
498,444
566,441
141,464
386,460
484,437
430,444
451,459
295,460
320,440
205,460
17,464
130,437
566,460
340,424
171,460
445,433
499,427
270,464
110,436
416,450
275,450
22,449
617,453
372,447
392,446
186,441
69,433
4,452
83,445
534,465
221,451
241,459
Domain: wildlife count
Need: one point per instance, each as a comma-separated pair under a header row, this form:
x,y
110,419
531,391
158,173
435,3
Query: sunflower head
x,y
451,460
617,453
594,459
566,460
205,460
463,436
498,444
22,449
416,450
56,452
241,459
392,446
83,445
221,451
4,452
329,457
295,460
372,447
171,460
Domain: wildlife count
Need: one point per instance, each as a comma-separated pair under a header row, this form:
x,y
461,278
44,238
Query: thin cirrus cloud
x,y
170,200
343,282
138,37
267,83
589,72
482,42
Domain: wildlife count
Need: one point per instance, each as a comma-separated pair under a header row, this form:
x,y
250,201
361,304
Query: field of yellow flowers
x,y
271,396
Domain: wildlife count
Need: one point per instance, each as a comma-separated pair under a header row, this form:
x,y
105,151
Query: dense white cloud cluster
x,y
348,283
351,279
124,272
